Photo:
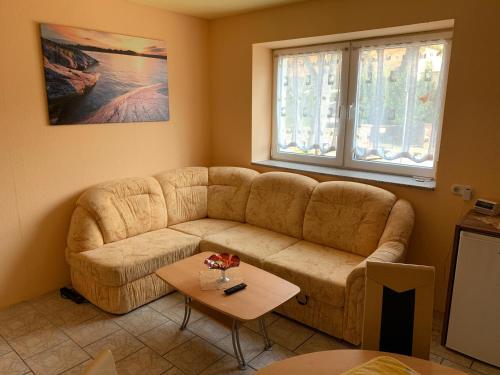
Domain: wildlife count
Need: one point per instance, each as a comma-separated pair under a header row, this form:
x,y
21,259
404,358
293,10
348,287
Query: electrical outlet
x,y
464,190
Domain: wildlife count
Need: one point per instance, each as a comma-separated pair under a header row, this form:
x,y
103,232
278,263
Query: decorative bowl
x,y
222,262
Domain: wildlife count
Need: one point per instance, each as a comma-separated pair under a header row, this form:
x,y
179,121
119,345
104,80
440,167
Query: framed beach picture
x,y
95,77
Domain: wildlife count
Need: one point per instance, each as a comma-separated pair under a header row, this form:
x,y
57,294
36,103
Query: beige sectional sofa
x,y
316,235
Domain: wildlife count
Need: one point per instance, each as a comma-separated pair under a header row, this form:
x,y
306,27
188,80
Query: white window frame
x,y
276,154
407,170
344,154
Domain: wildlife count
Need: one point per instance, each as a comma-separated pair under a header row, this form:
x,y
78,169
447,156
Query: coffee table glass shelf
x,y
264,293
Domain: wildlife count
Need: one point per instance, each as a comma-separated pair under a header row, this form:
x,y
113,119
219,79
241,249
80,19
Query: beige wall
x,y
471,131
44,168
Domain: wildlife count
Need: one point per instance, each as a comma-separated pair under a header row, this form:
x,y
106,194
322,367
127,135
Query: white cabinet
x,y
474,310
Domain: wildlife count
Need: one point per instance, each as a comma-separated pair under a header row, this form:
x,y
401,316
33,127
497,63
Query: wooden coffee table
x,y
264,292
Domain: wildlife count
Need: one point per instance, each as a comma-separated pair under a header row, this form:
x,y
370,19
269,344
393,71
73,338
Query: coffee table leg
x,y
267,343
235,334
187,312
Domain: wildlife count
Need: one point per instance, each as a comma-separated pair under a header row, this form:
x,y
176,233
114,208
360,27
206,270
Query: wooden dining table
x,y
338,361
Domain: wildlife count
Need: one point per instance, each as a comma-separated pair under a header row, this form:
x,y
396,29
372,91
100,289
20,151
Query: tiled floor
x,y
50,335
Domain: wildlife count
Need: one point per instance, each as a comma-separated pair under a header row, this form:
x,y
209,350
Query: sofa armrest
x,y
84,233
393,252
392,248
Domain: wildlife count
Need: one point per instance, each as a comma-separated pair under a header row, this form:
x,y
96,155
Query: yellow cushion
x,y
204,227
319,271
347,216
126,207
278,200
382,365
252,244
185,191
121,262
228,190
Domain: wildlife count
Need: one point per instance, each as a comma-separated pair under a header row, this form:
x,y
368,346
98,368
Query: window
x,y
370,105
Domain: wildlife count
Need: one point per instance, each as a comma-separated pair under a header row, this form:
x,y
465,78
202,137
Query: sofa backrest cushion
x,y
124,208
185,192
347,216
278,201
228,191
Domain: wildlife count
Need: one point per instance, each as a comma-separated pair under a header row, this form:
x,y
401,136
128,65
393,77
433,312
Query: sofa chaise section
x,y
117,263
117,240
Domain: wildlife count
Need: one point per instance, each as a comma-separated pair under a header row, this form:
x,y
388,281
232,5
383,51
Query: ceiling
x,y
211,9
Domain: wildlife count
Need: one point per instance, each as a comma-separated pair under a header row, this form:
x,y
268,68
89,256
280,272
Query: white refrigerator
x,y
474,324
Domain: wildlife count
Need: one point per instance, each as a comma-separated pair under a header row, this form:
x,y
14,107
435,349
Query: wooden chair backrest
x,y
385,318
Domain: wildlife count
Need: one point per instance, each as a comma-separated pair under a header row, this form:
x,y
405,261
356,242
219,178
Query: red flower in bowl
x,y
222,261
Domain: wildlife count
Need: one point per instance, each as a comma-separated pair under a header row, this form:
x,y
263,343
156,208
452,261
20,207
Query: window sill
x,y
349,173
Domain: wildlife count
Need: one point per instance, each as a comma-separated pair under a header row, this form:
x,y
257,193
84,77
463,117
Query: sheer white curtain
x,y
307,103
398,103
395,90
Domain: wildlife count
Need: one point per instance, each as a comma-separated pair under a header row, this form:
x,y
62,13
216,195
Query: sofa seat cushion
x,y
124,261
320,271
204,227
252,244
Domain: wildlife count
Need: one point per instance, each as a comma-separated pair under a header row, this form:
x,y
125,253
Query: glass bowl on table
x,y
222,262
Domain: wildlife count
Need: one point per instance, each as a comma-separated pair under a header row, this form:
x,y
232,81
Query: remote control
x,y
235,289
